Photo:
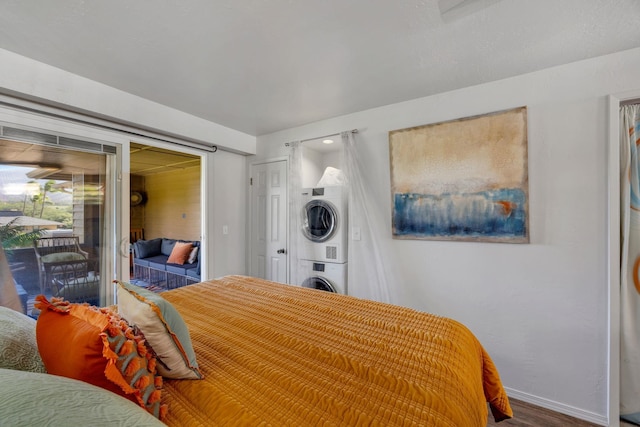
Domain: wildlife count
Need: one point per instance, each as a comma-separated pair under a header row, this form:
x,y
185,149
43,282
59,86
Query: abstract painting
x,y
464,179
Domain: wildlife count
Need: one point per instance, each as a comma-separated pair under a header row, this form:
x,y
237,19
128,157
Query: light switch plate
x,y
355,233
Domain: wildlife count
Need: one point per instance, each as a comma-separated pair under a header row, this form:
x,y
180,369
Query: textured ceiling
x,y
260,66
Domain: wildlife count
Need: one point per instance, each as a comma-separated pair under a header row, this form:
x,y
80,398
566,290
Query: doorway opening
x,y
165,206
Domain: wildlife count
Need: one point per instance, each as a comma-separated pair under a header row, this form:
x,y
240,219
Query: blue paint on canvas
x,y
493,214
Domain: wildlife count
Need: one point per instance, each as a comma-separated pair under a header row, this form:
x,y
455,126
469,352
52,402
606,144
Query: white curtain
x,y
630,264
369,267
295,208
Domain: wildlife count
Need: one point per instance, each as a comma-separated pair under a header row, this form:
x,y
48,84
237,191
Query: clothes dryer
x,y
326,276
324,224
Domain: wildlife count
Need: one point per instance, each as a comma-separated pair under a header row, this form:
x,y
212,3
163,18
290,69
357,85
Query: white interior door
x,y
269,201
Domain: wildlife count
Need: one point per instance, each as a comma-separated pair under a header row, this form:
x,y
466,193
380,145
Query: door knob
x,y
282,251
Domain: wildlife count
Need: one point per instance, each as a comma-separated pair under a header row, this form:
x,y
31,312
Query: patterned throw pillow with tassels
x,y
98,346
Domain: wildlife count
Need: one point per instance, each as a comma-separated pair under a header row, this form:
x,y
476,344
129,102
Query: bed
x,y
259,353
278,355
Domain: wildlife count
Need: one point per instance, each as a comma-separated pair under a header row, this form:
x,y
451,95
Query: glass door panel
x,y
52,219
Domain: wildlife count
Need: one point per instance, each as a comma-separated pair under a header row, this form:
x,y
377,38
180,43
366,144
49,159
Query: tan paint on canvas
x,y
467,155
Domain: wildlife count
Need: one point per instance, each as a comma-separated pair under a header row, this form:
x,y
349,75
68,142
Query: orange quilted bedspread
x,y
280,355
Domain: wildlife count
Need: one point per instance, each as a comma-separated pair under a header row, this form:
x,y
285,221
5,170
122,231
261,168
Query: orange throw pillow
x,y
99,347
180,253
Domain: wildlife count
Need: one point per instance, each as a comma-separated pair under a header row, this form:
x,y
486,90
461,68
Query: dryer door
x,y
319,220
318,283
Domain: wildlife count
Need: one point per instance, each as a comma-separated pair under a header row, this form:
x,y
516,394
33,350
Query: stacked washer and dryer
x,y
323,252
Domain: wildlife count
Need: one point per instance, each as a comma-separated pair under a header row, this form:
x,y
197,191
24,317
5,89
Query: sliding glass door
x,y
57,216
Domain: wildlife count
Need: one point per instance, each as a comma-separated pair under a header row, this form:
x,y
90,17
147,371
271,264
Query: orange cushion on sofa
x,y
180,253
97,346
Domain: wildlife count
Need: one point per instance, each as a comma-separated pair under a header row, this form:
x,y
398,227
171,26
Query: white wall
x,y
228,209
311,167
52,86
333,159
315,162
540,309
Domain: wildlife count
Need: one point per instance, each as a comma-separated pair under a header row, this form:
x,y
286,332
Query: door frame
x,y
23,114
206,174
111,260
287,211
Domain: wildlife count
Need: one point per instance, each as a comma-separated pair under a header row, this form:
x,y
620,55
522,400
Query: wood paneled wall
x,y
173,206
136,218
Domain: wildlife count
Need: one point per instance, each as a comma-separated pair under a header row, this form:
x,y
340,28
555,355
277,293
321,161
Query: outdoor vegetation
x,y
43,200
13,236
37,203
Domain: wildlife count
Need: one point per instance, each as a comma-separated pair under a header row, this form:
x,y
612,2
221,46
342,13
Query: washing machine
x,y
324,224
326,276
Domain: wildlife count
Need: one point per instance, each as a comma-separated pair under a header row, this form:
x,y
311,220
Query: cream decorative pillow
x,y
8,294
164,329
18,347
193,256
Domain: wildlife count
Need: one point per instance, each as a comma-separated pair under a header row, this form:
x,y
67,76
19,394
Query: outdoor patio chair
x,y
74,281
56,250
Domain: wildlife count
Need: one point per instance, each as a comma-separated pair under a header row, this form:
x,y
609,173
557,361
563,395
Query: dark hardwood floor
x,y
527,415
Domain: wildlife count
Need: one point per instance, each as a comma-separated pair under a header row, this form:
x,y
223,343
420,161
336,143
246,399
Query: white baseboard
x,y
558,407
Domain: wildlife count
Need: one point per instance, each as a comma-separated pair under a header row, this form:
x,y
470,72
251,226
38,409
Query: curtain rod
x,y
97,122
286,144
630,102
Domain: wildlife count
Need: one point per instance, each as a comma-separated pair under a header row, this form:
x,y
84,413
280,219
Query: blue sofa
x,y
150,263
